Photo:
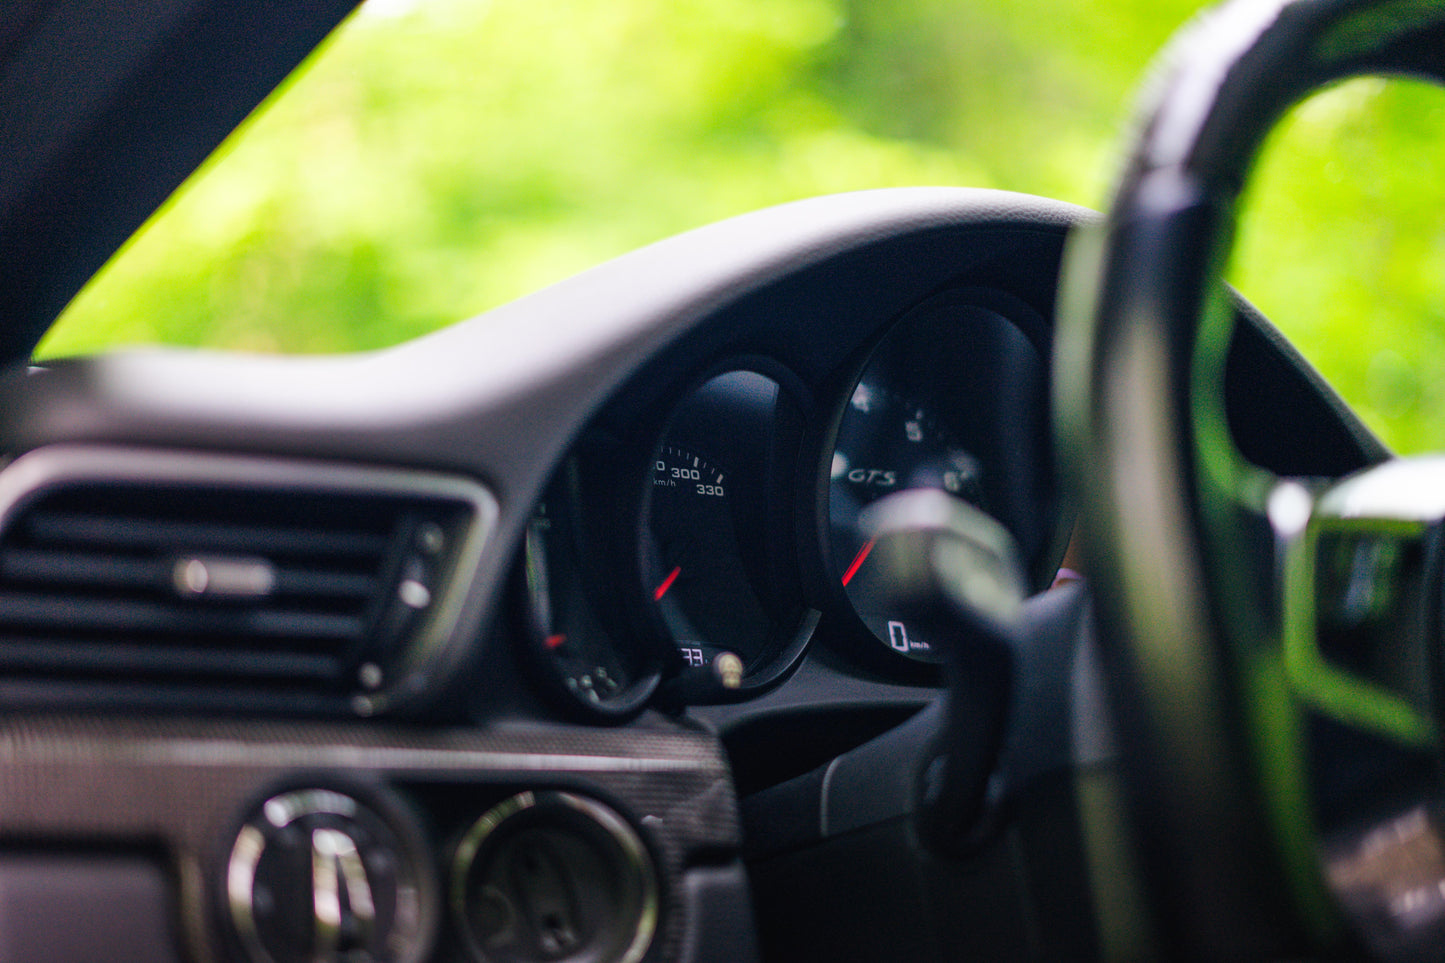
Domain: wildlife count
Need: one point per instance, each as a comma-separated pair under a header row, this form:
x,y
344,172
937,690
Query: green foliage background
x,y
440,157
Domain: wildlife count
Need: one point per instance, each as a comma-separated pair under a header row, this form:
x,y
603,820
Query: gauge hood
x,y
106,106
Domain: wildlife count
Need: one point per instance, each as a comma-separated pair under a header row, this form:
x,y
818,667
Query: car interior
x,y
907,574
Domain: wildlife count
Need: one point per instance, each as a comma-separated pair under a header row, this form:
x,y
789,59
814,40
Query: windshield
x,y
440,157
1342,245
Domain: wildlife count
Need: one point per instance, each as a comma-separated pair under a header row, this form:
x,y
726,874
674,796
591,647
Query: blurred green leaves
x,y
440,157
1342,243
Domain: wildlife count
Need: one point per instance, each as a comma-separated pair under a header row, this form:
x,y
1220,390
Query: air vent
x,y
144,578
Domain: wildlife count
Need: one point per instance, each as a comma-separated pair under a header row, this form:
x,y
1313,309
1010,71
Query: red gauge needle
x,y
857,561
661,590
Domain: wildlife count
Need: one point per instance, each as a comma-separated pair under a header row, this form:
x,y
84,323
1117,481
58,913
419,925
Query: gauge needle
x,y
661,590
857,561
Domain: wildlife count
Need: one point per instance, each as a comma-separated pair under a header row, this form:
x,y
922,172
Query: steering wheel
x,y
1273,644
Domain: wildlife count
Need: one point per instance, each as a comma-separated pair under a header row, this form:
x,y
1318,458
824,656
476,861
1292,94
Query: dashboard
x,y
730,525
539,637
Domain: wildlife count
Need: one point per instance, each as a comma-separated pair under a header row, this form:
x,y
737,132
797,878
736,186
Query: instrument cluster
x,y
700,558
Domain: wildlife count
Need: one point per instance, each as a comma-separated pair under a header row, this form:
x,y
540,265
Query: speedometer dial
x,y
718,532
698,578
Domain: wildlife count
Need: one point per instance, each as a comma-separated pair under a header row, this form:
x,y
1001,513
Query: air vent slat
x,y
68,568
189,579
49,567
74,657
143,533
330,584
127,617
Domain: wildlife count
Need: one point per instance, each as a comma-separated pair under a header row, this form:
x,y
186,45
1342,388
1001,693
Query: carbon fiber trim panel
x,y
185,785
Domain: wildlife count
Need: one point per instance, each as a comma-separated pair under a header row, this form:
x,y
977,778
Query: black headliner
x,y
106,106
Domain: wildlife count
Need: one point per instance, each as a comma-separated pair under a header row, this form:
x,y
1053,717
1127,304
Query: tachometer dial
x,y
954,396
887,443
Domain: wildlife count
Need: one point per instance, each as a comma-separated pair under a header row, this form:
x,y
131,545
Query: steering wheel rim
x,y
1195,554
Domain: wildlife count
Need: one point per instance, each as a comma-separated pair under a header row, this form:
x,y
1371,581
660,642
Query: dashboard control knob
x,y
316,875
552,876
